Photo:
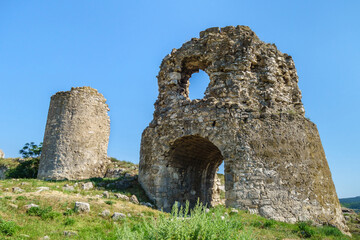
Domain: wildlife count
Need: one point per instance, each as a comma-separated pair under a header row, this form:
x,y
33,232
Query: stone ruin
x,y
251,118
76,136
2,154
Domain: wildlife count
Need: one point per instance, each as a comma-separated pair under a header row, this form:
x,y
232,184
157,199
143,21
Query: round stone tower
x,y
251,118
76,136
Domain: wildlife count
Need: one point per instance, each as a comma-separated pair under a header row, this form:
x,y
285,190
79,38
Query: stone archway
x,y
193,161
252,112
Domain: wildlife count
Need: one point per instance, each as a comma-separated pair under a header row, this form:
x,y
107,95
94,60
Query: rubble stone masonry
x,y
252,118
76,136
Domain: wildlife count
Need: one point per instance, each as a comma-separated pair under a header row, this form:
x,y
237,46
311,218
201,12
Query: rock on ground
x,y
122,196
31,205
134,199
82,207
87,186
116,216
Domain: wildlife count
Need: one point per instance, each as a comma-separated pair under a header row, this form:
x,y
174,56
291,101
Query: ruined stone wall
x,y
252,118
76,136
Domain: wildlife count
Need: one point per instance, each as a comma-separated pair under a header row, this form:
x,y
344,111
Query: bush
x,y
269,223
44,213
69,212
109,202
8,228
304,230
21,198
69,221
186,224
331,231
26,169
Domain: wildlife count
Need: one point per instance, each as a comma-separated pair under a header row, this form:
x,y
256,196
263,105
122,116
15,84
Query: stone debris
x,y
13,205
40,189
233,210
116,216
67,187
70,233
105,213
17,190
251,117
87,186
45,238
24,183
147,204
115,172
31,205
82,207
80,153
134,199
106,194
122,196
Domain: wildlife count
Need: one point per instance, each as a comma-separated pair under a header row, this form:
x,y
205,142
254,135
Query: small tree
x,y
31,150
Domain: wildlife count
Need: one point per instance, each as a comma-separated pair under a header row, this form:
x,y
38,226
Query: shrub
x,y
109,202
21,198
26,169
184,223
8,228
331,231
69,212
305,230
269,223
44,213
69,221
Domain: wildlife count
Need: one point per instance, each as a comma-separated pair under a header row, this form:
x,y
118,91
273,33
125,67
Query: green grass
x,y
55,215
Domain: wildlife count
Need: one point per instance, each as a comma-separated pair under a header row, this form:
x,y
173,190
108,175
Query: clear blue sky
x,y
117,47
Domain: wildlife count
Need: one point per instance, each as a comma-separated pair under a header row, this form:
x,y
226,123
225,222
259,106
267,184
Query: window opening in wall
x,y
198,84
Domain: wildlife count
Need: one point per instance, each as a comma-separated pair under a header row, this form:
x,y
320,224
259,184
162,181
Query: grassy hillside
x,y
353,203
55,216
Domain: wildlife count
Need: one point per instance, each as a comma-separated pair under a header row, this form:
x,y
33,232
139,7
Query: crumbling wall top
x,y
242,69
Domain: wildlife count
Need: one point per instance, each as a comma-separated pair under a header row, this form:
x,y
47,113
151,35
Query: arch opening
x,y
198,83
193,163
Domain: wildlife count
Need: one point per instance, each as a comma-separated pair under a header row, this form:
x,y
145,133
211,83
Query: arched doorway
x,y
193,162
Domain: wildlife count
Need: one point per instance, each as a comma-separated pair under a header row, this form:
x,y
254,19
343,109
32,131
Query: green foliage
x,y
69,221
109,202
330,231
69,212
43,212
21,198
305,230
266,224
31,150
269,223
186,224
8,228
26,169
